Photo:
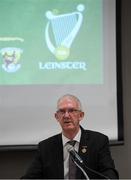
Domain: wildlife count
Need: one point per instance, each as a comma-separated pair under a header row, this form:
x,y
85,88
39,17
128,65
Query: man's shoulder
x,y
51,139
95,134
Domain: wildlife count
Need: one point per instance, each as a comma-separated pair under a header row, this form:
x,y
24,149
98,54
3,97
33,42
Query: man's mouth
x,y
67,122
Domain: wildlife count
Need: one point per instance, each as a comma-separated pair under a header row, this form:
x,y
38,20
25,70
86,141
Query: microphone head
x,y
69,147
75,156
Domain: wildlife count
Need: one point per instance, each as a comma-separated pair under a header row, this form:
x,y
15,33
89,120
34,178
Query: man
x,y
52,160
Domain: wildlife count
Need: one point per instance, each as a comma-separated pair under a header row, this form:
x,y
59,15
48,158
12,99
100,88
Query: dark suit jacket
x,y
48,163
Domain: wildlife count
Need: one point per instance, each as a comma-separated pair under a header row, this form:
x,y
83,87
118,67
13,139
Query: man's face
x,y
68,114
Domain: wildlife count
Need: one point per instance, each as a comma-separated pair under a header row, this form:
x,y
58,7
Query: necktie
x,y
72,166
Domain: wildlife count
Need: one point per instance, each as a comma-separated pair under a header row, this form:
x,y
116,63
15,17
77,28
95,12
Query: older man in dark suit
x,y
52,159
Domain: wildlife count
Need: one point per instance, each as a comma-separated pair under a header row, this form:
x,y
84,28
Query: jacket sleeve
x,y
106,163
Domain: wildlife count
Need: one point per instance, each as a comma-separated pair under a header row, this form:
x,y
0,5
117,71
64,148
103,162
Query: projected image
x,y
45,42
49,48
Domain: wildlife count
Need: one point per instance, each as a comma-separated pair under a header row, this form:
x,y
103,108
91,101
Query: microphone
x,y
78,160
75,156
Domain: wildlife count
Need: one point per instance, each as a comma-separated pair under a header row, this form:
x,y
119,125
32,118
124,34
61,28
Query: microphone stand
x,y
95,172
81,168
81,165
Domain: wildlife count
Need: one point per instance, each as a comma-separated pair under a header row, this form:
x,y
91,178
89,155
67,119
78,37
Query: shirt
x,y
66,153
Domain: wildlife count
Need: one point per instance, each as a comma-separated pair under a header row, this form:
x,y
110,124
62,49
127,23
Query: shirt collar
x,y
76,138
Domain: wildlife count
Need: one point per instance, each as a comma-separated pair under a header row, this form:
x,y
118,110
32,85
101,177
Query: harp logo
x,y
64,29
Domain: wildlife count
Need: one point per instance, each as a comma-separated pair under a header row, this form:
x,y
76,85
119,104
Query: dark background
x,y
13,163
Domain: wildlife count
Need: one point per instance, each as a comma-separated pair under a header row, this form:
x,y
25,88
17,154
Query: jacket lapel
x,y
83,147
58,164
83,151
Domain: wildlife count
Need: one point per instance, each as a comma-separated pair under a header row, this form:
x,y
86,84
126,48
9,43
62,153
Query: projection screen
x,y
51,48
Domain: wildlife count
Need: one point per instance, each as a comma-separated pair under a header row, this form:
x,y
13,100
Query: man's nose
x,y
66,113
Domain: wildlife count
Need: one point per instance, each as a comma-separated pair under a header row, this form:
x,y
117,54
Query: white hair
x,y
70,96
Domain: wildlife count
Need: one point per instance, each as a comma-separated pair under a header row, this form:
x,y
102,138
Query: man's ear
x,y
81,115
56,116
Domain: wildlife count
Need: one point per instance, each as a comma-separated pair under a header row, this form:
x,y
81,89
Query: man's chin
x,y
69,127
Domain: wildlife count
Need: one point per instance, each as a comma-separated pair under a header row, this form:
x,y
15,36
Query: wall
x,y
14,163
122,154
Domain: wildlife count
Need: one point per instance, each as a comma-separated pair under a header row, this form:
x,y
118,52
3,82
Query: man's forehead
x,y
67,101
